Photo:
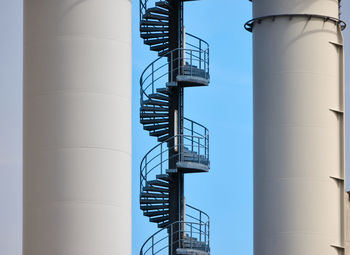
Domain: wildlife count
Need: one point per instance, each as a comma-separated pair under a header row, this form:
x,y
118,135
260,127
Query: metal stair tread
x,y
156,41
163,224
160,47
154,207
155,189
162,4
158,10
155,102
154,29
156,127
153,121
159,219
163,138
163,52
154,35
154,23
154,108
154,195
159,96
159,183
153,115
156,213
163,90
160,132
150,15
163,177
153,201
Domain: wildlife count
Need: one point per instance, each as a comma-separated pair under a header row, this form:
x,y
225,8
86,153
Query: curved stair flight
x,y
183,144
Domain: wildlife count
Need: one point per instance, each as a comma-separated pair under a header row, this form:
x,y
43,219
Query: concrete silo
x,y
298,128
77,127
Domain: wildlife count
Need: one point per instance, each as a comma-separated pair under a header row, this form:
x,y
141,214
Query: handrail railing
x,y
185,234
190,62
155,162
192,129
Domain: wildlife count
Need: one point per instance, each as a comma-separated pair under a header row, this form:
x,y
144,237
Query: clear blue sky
x,y
225,107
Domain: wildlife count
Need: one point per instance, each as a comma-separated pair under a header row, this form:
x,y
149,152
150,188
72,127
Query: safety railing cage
x,y
192,61
193,147
193,234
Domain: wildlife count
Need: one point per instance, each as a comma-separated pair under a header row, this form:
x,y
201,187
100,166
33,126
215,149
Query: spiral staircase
x,y
183,144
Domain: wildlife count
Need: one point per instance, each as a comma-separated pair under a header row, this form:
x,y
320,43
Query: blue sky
x,y
225,107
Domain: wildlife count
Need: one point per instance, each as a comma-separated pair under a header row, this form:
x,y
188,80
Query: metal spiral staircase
x,y
183,146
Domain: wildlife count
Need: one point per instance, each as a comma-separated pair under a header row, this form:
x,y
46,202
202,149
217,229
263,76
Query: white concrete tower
x,y
298,127
77,127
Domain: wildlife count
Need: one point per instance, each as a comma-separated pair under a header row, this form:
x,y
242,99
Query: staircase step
x,y
155,189
155,127
153,121
154,29
160,132
159,219
163,52
158,10
156,213
163,177
154,195
160,47
156,41
155,102
163,224
155,16
154,207
163,138
154,23
159,96
153,115
163,91
159,183
153,201
163,4
154,35
154,109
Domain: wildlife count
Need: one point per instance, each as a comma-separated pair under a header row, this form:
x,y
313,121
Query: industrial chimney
x,y
77,127
298,128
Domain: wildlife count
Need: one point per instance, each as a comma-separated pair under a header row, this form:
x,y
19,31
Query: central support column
x,y
176,194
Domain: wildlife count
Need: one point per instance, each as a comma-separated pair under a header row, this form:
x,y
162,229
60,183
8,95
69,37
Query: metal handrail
x,y
179,59
182,233
156,159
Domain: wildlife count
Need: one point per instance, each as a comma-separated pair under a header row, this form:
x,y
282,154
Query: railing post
x,y
161,158
200,54
179,231
205,143
208,233
208,61
205,63
200,226
146,172
192,134
199,149
191,236
171,66
152,245
153,78
171,239
191,62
